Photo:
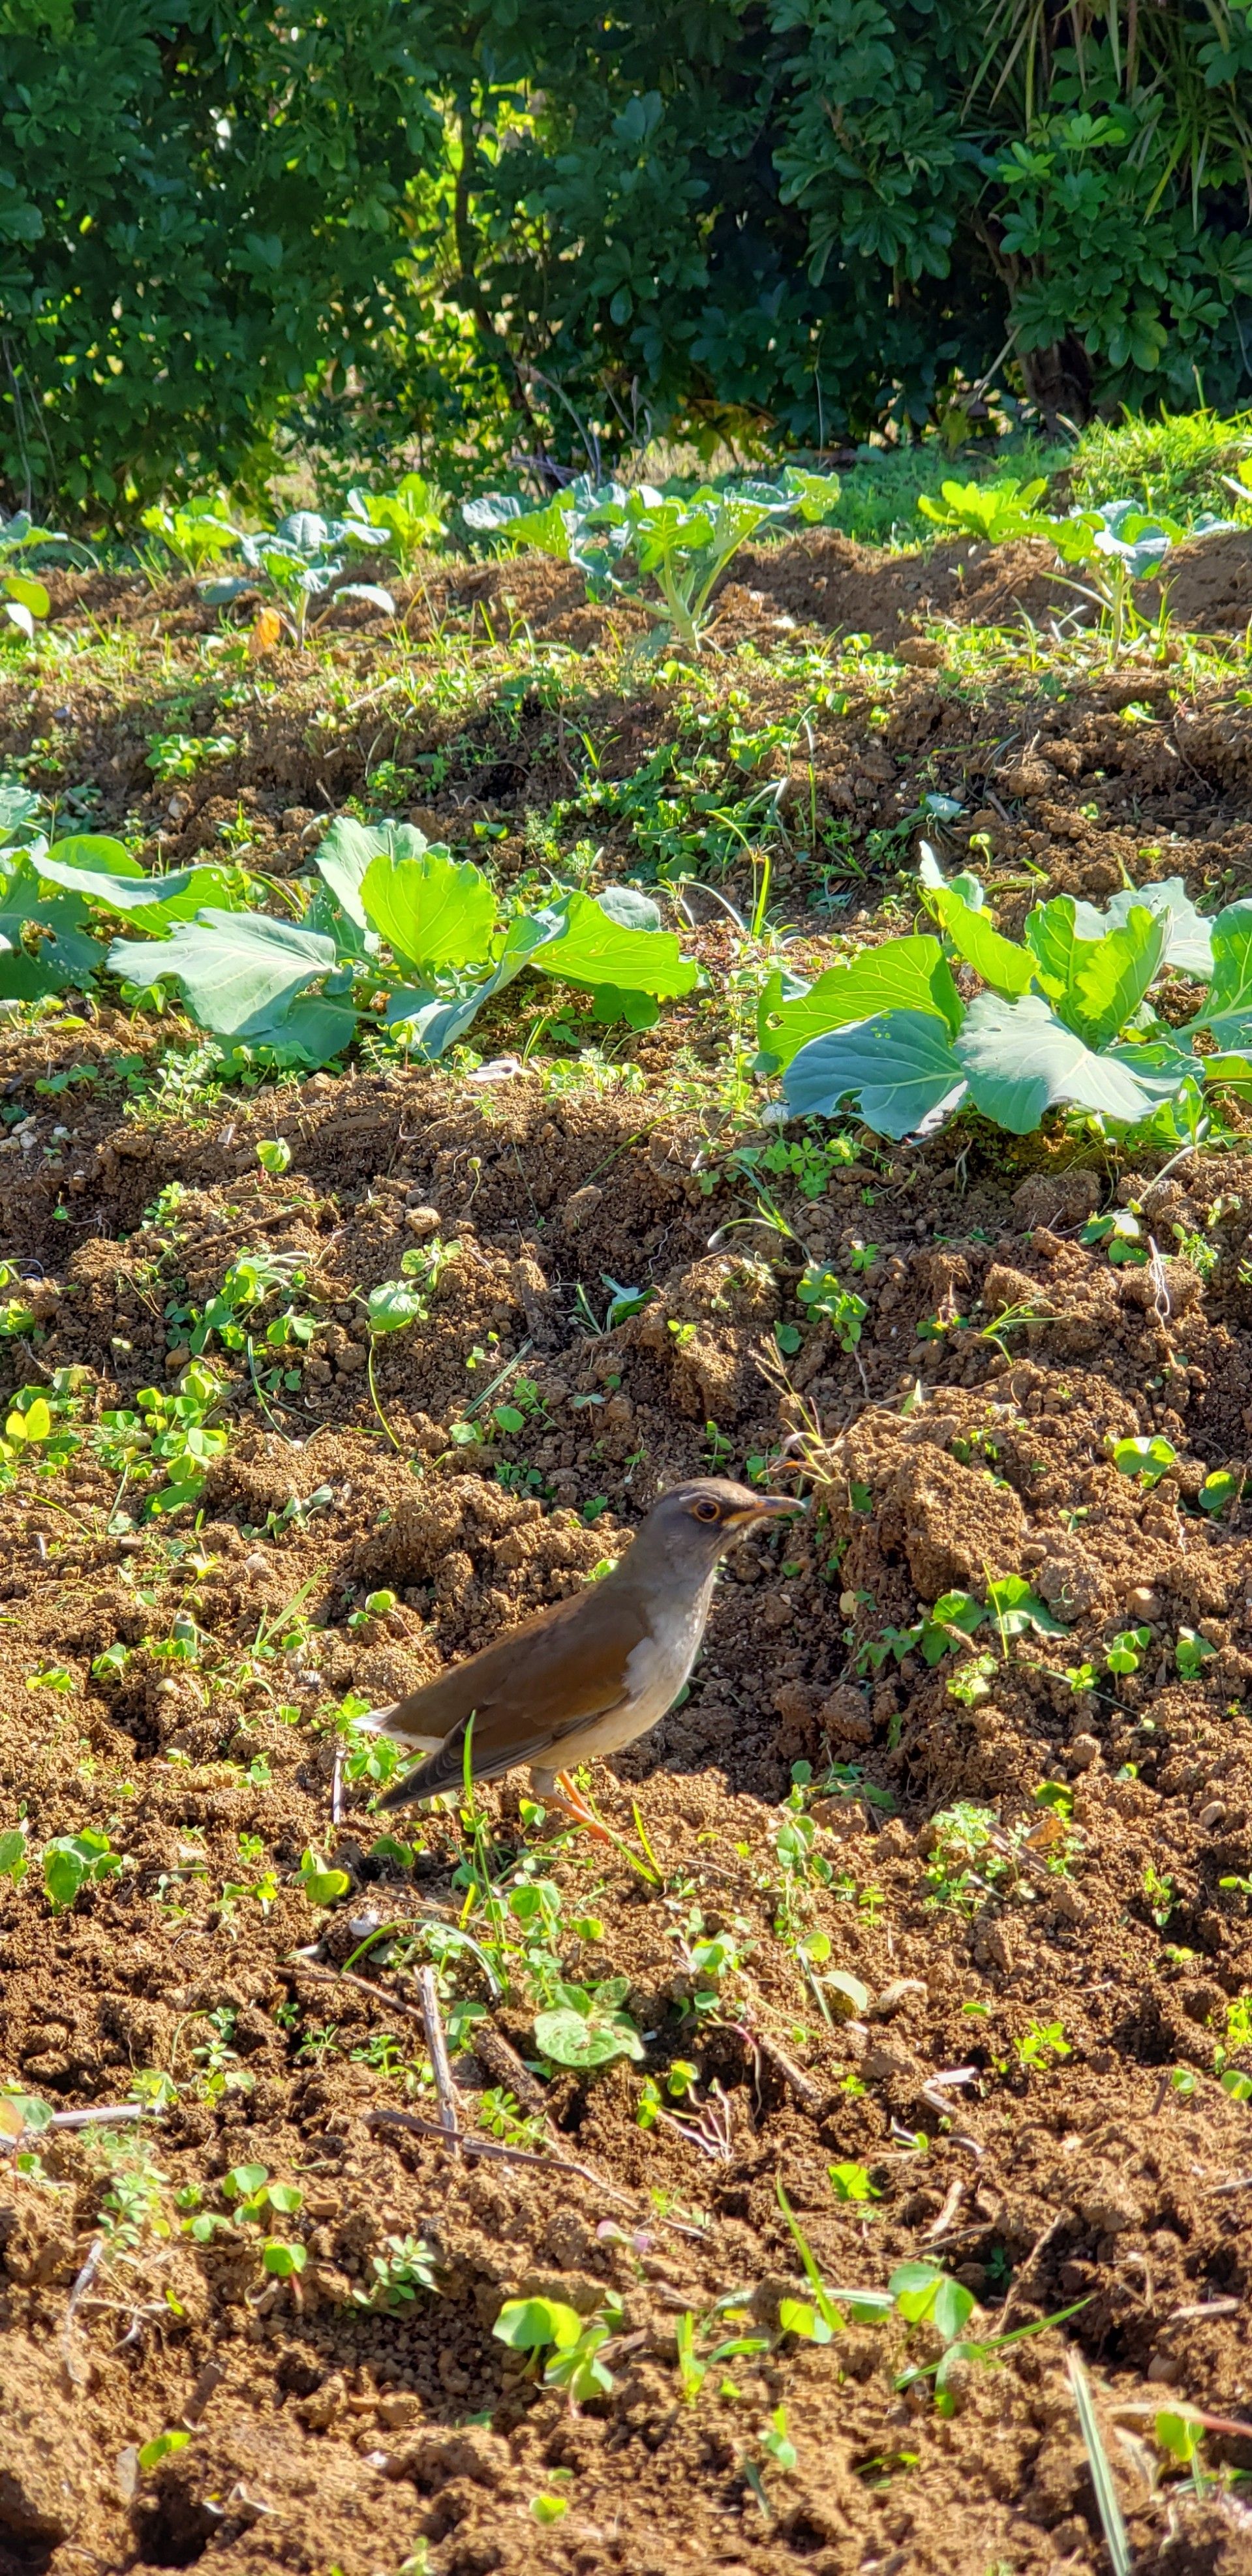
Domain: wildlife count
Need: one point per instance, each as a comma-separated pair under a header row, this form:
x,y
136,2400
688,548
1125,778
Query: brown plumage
x,y
582,1679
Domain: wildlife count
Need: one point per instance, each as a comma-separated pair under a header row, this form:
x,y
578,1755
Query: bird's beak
x,y
766,1507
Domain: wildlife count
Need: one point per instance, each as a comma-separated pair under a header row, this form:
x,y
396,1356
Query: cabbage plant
x,y
400,935
1064,1017
619,538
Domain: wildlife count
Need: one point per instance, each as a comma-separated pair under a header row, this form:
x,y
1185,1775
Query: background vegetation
x,y
405,225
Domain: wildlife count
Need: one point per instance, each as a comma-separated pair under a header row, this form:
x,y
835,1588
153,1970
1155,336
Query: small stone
x,y
255,1563
895,1842
1145,1603
326,2402
1212,1815
895,1996
889,2063
422,1221
352,1357
1111,2207
1165,2367
397,2412
177,1359
580,1206
1083,1752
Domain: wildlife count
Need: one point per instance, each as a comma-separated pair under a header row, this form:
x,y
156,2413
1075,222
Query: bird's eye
x,y
706,1511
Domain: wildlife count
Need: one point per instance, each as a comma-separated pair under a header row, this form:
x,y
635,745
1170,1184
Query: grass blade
x,y
1101,2473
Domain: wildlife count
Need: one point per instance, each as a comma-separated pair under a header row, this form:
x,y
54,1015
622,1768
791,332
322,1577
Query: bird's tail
x,y
443,1767
413,1783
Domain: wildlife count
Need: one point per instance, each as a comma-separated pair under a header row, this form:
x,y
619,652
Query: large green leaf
x,y
349,848
1001,963
1189,944
1053,937
19,814
1158,1066
95,850
433,911
631,906
1228,1010
904,974
66,957
439,1024
178,896
1110,976
237,968
898,1069
310,1031
594,949
1020,1059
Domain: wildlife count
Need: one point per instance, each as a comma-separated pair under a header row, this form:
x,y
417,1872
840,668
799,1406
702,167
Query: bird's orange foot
x,y
567,1797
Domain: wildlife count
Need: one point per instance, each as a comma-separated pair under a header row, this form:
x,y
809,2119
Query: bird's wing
x,y
535,1684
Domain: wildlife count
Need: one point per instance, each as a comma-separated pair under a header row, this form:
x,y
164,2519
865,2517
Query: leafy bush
x,y
306,558
410,518
1065,1016
265,225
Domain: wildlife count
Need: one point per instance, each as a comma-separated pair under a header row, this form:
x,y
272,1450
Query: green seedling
x,y
321,1885
14,1858
827,1302
395,1304
546,2325
924,2293
851,2182
1044,2043
407,2266
1122,1236
74,1861
1126,1651
586,2027
818,2318
161,2447
1147,1457
1191,1653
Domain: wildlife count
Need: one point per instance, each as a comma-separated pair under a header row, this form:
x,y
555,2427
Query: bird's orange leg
x,y
567,1797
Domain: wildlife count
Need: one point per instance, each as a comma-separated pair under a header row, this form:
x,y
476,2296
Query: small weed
x,y
407,2266
1043,2044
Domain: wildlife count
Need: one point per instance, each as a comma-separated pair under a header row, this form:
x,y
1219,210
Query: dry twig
x,y
437,2047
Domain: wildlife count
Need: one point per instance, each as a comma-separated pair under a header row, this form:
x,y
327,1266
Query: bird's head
x,y
694,1524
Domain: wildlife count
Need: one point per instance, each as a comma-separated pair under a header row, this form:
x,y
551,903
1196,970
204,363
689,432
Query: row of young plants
x,y
619,538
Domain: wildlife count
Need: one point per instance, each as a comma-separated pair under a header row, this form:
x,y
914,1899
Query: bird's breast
x,y
658,1666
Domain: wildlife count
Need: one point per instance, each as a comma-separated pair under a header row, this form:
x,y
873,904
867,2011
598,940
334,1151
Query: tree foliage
x,y
558,227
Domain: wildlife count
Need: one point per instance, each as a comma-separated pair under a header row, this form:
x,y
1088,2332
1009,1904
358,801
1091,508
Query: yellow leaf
x,y
265,633
34,1424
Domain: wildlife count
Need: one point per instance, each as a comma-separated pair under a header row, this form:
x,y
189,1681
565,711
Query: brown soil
x,y
327,2433
324,2434
1103,782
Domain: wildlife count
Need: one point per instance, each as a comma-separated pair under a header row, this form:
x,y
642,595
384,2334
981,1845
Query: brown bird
x,y
587,1676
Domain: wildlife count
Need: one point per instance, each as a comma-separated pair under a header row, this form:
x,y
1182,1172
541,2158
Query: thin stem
x,y
369,1371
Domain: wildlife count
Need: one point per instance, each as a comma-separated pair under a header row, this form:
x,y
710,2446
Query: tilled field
x,y
1013,2065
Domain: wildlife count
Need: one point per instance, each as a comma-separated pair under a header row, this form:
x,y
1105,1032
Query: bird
x,y
590,1673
